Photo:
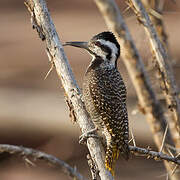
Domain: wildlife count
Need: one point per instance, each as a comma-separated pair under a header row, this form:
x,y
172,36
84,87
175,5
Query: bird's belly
x,y
94,114
91,109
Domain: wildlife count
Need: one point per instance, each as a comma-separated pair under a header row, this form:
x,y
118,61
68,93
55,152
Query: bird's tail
x,y
112,154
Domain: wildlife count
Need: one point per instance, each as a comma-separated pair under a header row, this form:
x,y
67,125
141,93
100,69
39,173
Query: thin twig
x,y
178,155
153,154
174,170
51,61
35,154
164,137
133,139
169,151
41,19
29,162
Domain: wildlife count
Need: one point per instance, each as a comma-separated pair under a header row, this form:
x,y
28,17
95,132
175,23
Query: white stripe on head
x,y
98,51
112,46
114,51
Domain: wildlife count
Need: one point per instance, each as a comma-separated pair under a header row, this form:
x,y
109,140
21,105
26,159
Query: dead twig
x,y
164,137
133,138
157,7
38,155
153,154
162,58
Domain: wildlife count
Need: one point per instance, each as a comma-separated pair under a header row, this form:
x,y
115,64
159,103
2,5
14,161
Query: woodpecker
x,y
104,94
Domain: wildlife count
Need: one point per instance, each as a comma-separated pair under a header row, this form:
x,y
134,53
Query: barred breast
x,y
105,99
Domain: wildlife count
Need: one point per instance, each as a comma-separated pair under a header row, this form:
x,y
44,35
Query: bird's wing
x,y
109,98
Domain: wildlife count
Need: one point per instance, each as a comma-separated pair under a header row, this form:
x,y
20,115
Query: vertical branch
x,y
170,86
155,11
43,23
147,98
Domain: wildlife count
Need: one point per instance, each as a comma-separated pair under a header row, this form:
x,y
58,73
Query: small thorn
x,y
130,140
51,61
164,137
29,162
174,170
133,139
127,8
51,68
177,155
169,151
155,14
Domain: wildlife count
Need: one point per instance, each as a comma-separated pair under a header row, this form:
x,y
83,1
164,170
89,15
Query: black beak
x,y
83,45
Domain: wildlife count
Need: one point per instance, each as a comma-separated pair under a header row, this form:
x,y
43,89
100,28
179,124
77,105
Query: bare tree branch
x,y
153,154
43,23
155,10
147,98
157,6
35,154
170,90
72,172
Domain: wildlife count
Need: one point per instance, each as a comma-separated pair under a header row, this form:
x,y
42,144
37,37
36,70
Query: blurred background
x,y
33,112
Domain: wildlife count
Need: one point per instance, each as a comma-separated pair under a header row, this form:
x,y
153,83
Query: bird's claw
x,y
88,134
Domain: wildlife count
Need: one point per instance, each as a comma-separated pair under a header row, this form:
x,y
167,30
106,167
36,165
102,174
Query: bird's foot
x,y
88,134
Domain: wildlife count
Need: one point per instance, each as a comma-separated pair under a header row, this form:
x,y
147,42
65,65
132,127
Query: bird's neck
x,y
97,63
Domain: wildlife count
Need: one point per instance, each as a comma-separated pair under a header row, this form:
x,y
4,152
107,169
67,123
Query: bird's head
x,y
103,46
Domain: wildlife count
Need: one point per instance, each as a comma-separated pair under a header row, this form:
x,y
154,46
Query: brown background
x,y
33,111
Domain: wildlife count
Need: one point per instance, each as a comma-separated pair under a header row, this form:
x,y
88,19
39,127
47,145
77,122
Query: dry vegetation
x,y
34,114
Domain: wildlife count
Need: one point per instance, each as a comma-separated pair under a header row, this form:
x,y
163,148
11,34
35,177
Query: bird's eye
x,y
97,43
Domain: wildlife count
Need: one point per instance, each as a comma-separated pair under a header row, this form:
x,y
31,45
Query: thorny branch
x,y
170,90
131,58
29,152
42,22
155,11
38,155
153,154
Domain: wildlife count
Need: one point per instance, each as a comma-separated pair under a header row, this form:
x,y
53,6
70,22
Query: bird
x,y
104,95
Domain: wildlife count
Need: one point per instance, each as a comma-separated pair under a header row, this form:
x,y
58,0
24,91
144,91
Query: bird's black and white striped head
x,y
102,46
105,46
